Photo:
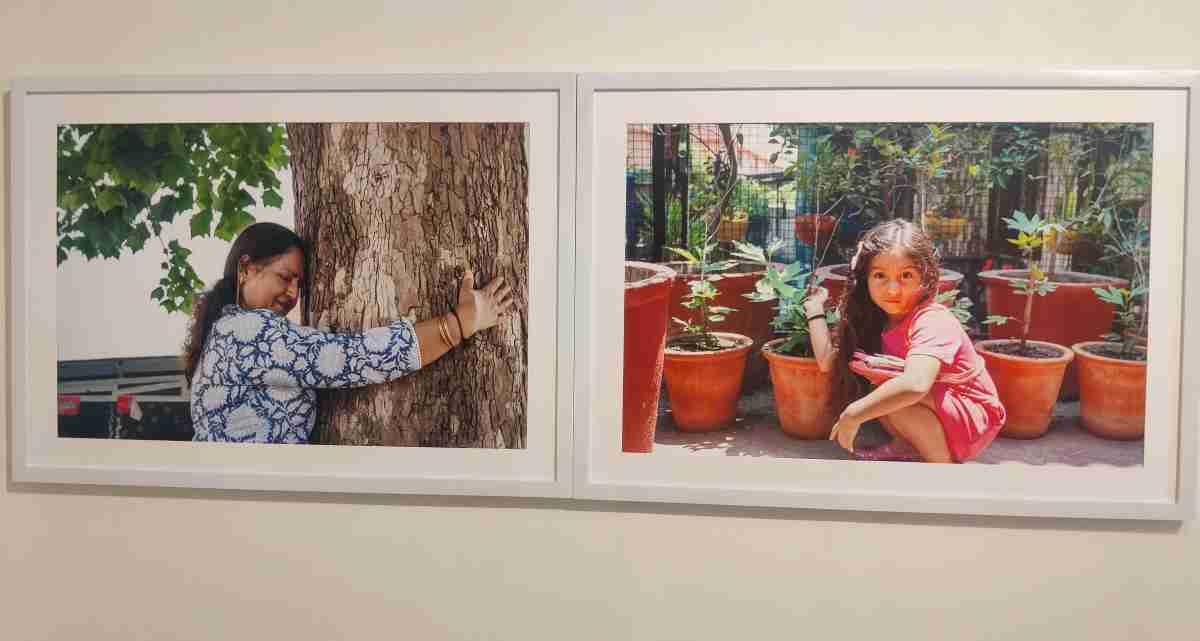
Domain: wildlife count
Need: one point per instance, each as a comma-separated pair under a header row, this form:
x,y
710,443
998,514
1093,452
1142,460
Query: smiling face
x,y
273,285
894,284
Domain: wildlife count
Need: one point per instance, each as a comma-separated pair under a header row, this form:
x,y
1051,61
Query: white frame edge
x,y
1184,505
24,470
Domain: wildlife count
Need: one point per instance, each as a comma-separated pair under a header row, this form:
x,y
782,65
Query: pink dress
x,y
963,395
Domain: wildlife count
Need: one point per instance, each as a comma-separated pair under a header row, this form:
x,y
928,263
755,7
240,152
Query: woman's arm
x,y
477,309
818,329
258,347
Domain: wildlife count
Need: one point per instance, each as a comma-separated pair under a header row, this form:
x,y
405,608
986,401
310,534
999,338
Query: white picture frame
x,y
1164,488
545,101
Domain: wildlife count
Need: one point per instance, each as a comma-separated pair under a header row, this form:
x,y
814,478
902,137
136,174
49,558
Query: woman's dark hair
x,y
862,321
260,243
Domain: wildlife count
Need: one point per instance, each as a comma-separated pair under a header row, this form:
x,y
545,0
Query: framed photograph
x,y
831,279
340,283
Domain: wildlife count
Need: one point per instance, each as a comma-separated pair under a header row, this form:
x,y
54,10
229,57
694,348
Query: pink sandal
x,y
895,450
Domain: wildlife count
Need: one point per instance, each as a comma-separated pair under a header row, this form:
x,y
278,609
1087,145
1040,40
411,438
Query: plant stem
x,y
1030,285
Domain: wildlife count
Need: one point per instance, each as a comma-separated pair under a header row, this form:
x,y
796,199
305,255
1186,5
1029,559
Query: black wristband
x,y
816,316
461,333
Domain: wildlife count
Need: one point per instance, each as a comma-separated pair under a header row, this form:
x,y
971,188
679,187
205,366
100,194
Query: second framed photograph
x,y
217,279
830,281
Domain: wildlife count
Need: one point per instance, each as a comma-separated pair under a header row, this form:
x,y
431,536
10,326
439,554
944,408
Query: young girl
x,y
943,407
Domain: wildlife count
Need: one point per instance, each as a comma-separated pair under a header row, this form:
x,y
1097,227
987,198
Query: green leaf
x,y
687,255
996,320
271,198
231,223
793,270
107,199
748,251
202,223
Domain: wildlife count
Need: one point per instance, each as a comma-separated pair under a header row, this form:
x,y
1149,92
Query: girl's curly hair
x,y
862,321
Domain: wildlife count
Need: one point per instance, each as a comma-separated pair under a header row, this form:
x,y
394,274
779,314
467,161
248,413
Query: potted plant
x,y
733,227
804,395
930,167
732,282
825,176
1027,373
704,368
1071,313
1112,371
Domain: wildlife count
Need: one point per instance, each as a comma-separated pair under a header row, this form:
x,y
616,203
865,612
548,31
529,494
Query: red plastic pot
x,y
1070,314
647,290
751,319
834,277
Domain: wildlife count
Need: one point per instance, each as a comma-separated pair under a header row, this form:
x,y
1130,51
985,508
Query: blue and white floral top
x,y
259,372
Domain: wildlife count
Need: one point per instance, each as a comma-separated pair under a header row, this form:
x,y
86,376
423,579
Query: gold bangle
x,y
444,331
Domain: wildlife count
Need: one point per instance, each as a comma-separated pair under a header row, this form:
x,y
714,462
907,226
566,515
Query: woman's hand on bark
x,y
479,309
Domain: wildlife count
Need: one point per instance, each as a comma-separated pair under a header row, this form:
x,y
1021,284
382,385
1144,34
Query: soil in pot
x,y
647,292
1112,390
1028,385
1070,314
803,394
703,386
751,319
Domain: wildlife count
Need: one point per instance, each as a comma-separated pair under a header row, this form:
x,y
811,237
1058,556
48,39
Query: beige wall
x,y
105,563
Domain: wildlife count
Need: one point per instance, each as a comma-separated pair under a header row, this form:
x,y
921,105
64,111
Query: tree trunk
x,y
394,213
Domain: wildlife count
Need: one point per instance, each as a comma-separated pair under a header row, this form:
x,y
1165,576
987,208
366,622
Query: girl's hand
x,y
815,302
844,431
479,309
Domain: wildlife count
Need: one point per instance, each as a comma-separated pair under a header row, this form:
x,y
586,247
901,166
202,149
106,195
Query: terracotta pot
x,y
647,292
1028,387
1112,394
834,277
1070,314
814,229
803,394
704,387
732,229
943,227
751,319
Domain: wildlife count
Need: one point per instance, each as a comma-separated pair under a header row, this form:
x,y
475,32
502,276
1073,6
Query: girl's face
x,y
894,283
274,285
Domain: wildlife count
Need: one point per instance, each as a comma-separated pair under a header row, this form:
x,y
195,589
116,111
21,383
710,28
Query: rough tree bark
x,y
394,213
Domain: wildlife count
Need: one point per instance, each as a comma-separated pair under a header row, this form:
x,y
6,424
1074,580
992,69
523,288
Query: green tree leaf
x,y
202,223
271,198
120,185
108,199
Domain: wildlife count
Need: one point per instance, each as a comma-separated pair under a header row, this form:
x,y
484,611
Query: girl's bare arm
x,y
818,329
920,372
